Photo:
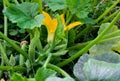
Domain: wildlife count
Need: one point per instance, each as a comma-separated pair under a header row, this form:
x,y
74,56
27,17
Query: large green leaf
x,y
78,68
17,77
25,15
44,73
95,70
59,79
56,4
112,58
80,7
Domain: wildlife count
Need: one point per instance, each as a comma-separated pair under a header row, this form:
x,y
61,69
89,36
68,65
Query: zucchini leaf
x,y
95,70
103,64
18,77
26,15
56,4
81,8
43,73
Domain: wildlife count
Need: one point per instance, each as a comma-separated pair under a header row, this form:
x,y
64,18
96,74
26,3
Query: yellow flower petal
x,y
47,20
72,25
54,25
62,18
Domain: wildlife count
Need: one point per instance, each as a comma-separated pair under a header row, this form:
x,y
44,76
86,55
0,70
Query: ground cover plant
x,y
59,40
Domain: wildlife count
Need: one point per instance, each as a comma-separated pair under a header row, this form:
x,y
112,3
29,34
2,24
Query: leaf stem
x,y
81,45
16,47
86,48
5,25
21,62
59,70
107,11
3,55
35,42
13,68
47,61
110,17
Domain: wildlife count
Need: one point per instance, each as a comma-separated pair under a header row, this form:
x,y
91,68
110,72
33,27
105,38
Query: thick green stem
x,y
59,70
35,42
16,47
110,17
79,46
3,55
5,25
82,45
56,68
107,11
86,48
21,62
12,68
47,61
31,50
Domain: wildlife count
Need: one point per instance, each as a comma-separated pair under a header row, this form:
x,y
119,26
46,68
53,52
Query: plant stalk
x,y
16,47
86,48
59,70
47,61
12,68
5,25
21,62
35,42
110,17
107,11
3,55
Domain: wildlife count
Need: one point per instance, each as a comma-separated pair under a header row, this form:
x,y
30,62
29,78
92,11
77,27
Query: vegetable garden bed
x,y
59,40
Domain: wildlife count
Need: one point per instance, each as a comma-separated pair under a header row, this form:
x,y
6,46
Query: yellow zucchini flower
x,y
51,25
